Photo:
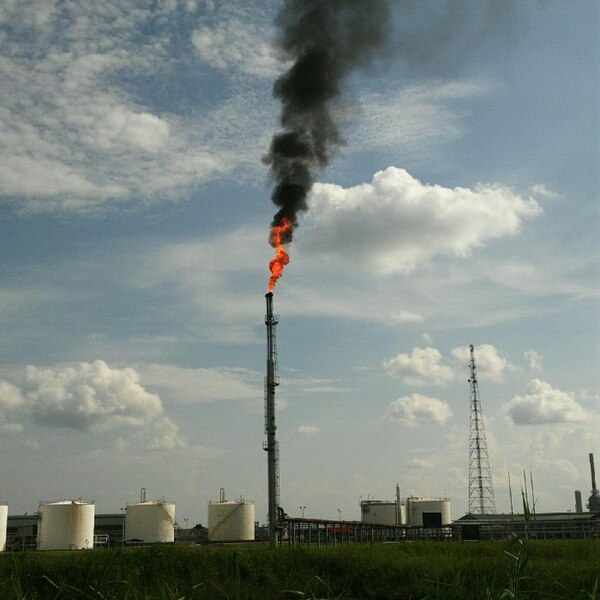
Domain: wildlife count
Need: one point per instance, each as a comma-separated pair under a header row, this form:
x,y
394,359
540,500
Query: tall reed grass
x,y
566,569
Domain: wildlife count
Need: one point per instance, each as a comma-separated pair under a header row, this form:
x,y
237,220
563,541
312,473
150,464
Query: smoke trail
x,y
443,38
325,41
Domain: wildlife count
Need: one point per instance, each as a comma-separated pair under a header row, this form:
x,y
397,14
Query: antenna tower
x,y
481,489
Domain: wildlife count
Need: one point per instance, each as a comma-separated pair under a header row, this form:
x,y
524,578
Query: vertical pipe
x,y
270,426
593,472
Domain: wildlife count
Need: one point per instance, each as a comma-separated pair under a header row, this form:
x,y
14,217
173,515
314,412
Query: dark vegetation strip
x,y
406,571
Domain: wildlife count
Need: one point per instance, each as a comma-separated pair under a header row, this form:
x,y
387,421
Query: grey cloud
x,y
441,38
201,385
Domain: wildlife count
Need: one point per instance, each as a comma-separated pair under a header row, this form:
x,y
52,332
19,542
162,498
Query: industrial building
x,y
410,512
541,526
21,531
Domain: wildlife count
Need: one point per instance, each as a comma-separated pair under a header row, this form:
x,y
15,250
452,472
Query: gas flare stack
x,y
271,445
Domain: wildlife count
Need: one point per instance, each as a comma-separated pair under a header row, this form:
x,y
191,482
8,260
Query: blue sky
x,y
134,252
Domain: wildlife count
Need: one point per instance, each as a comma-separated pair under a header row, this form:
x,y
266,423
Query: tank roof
x,y
65,502
152,503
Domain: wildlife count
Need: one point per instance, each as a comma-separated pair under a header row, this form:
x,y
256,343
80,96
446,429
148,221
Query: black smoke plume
x,y
324,40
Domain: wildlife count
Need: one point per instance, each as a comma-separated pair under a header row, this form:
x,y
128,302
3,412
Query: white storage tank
x,y
150,521
3,526
379,512
428,512
230,521
66,525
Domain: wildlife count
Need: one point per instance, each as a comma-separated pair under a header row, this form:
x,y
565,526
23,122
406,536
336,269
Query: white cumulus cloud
x,y
10,397
543,404
489,361
417,409
395,223
421,367
89,396
166,435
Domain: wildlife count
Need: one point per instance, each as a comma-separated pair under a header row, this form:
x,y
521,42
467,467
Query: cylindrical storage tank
x,y
3,525
66,525
378,512
231,521
151,522
428,512
402,514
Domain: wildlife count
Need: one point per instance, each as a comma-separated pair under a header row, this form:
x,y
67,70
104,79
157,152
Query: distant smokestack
x,y
398,506
578,502
594,500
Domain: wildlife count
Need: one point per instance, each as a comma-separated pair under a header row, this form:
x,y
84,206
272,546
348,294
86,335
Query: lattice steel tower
x,y
481,489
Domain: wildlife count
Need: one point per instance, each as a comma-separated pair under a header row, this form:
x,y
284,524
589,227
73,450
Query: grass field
x,y
404,571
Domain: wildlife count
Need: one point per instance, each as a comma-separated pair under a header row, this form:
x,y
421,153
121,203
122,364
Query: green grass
x,y
567,569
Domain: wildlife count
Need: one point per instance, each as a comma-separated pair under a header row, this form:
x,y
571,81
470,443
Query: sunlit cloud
x,y
395,223
421,367
489,361
416,409
542,404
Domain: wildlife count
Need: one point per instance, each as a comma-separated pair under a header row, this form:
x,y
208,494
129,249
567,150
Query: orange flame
x,y
279,235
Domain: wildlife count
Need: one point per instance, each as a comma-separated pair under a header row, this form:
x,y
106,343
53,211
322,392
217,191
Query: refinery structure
x,y
307,138
73,524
